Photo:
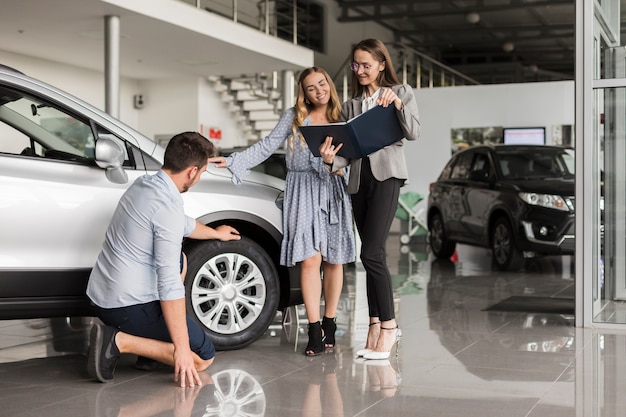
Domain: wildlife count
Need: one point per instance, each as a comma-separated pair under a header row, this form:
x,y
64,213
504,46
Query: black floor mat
x,y
530,304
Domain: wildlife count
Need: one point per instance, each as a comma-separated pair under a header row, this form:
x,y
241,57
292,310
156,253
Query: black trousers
x,y
374,207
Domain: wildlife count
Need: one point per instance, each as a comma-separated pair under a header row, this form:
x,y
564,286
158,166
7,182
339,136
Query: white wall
x,y
212,113
170,106
83,83
506,105
177,105
341,36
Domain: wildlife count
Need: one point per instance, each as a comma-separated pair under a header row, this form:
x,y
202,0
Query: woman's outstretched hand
x,y
328,150
219,161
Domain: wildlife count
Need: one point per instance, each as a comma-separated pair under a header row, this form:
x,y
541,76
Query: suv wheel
x,y
442,247
506,256
232,291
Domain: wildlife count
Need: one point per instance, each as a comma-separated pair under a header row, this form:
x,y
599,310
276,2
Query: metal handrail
x,y
402,47
341,75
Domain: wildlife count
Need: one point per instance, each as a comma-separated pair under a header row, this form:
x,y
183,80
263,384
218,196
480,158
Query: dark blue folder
x,y
361,135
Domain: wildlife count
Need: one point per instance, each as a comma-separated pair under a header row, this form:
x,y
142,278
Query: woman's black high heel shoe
x,y
329,326
316,342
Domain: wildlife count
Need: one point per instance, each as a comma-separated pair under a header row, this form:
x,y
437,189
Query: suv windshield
x,y
520,163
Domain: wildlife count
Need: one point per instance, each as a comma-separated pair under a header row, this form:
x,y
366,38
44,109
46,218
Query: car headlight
x,y
547,200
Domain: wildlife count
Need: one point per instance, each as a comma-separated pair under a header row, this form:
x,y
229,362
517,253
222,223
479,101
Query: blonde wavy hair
x,y
303,107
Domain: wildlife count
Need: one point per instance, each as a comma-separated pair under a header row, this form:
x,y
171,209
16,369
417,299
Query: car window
x,y
461,169
143,160
33,127
274,165
481,163
535,163
568,161
515,166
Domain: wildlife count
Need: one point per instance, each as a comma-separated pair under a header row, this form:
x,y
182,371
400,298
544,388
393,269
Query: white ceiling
x,y
163,38
72,31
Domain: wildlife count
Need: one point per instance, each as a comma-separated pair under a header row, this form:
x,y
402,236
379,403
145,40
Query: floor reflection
x,y
165,399
236,393
383,378
455,357
322,396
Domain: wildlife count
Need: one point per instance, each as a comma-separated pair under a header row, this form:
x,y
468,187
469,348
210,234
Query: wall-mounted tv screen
x,y
524,135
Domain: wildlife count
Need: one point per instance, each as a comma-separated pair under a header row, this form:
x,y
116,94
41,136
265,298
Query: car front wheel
x,y
441,246
232,290
506,256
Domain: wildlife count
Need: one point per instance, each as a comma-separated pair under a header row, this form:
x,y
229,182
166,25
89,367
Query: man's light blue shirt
x,y
140,258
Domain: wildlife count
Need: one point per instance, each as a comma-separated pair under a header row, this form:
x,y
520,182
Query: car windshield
x,y
535,163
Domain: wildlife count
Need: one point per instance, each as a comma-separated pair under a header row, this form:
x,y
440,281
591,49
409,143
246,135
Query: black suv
x,y
517,200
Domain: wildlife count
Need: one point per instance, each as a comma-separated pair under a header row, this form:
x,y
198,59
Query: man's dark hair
x,y
187,149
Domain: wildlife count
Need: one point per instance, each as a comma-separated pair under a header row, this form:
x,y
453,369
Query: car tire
x,y
232,290
506,256
441,246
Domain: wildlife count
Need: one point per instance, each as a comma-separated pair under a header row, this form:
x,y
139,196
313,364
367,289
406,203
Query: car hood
x,y
252,177
556,186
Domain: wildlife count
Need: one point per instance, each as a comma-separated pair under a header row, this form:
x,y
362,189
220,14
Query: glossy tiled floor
x,y
454,358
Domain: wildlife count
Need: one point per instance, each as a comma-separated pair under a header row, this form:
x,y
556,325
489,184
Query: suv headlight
x,y
547,200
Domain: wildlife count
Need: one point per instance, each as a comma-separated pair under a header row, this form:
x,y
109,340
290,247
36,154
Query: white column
x,y
112,65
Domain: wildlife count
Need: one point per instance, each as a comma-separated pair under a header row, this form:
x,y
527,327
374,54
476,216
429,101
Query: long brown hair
x,y
379,52
303,107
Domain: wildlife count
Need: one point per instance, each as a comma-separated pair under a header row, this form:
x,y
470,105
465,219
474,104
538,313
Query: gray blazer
x,y
389,162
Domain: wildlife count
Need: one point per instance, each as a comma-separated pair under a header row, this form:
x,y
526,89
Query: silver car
x,y
63,167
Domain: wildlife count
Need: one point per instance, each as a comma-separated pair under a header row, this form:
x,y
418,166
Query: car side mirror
x,y
481,175
110,156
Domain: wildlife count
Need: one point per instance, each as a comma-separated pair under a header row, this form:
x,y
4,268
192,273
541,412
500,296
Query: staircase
x,y
254,100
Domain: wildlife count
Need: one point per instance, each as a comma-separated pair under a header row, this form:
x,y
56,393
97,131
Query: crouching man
x,y
137,282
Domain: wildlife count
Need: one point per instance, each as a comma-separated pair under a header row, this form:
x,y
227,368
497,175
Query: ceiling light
x,y
508,46
472,18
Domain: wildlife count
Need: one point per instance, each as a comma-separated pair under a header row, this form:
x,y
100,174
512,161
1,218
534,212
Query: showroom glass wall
x,y
601,171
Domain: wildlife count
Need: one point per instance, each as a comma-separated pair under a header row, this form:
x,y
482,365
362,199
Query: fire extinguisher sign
x,y
211,132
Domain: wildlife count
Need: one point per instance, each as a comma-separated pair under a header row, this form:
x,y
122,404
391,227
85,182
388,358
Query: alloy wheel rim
x,y
228,293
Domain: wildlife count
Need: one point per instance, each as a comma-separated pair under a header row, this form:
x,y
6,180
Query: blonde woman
x,y
317,216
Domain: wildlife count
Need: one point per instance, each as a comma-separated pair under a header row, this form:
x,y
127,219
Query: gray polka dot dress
x,y
317,213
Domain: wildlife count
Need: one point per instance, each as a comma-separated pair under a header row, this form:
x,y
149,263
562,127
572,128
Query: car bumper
x,y
547,238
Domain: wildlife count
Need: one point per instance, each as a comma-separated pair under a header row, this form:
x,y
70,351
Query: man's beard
x,y
187,186
191,182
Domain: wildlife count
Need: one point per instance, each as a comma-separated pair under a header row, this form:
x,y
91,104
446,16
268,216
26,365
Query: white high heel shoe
x,y
385,355
363,352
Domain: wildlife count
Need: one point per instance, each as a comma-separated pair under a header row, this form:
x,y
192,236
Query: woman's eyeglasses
x,y
355,67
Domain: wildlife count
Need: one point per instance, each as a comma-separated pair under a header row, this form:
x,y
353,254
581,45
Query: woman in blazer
x,y
374,183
